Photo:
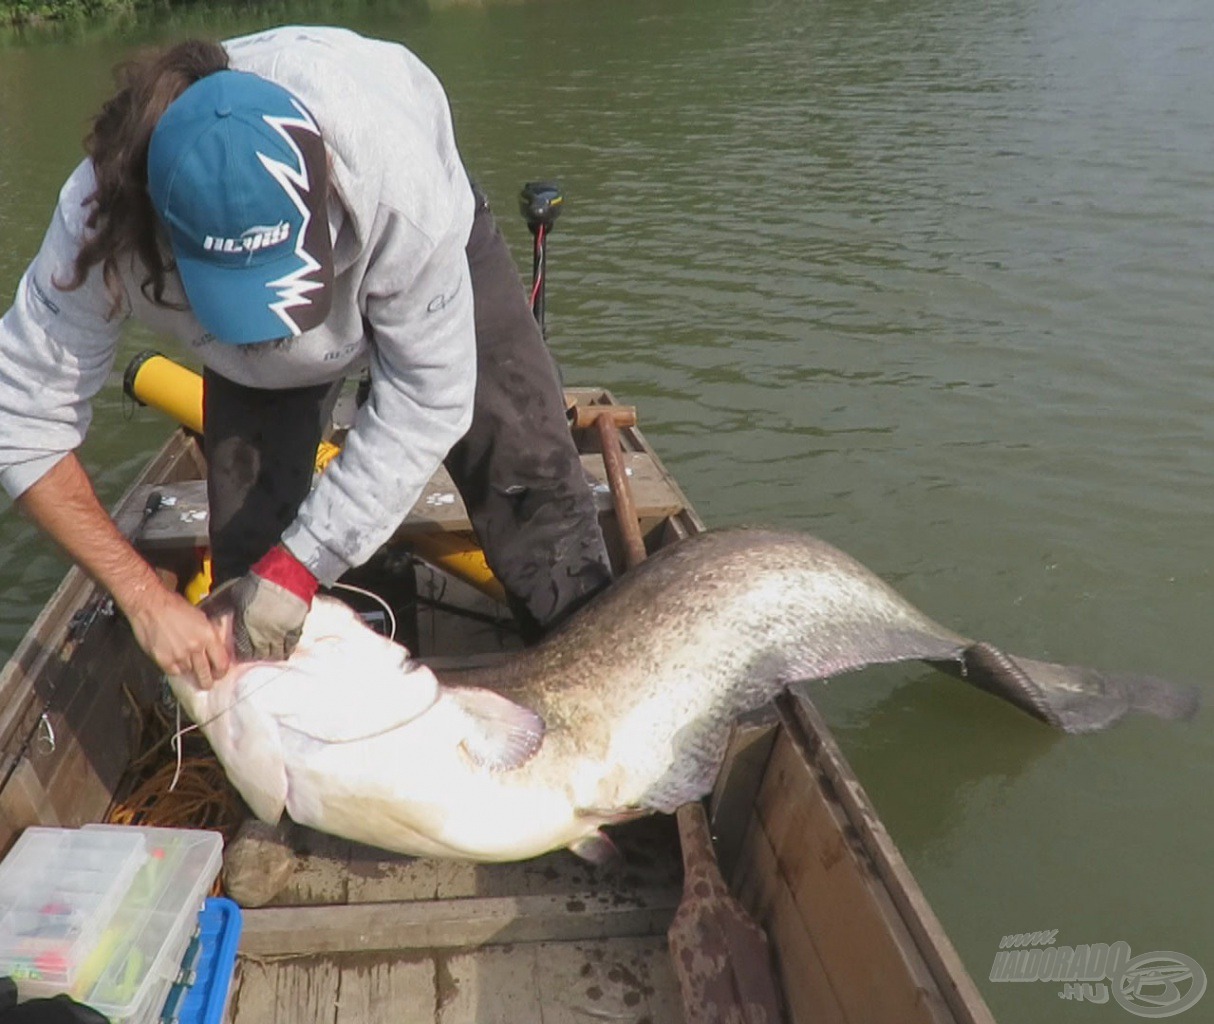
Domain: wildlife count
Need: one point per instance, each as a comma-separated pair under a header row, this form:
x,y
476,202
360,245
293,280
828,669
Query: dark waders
x,y
517,468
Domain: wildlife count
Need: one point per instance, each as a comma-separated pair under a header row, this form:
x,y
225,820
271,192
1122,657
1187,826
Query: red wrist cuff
x,y
279,566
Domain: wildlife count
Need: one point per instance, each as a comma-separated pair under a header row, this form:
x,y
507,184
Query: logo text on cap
x,y
252,240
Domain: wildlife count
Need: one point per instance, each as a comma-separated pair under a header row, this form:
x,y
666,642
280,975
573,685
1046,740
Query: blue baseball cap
x,y
238,174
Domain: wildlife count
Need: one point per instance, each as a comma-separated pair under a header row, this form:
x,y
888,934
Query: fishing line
x,y
175,739
374,597
175,743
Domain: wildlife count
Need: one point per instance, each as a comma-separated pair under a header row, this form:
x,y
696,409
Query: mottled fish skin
x,y
648,678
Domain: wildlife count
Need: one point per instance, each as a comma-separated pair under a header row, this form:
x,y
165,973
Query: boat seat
x,y
181,520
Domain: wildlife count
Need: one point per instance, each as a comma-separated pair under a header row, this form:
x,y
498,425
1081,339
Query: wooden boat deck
x,y
552,939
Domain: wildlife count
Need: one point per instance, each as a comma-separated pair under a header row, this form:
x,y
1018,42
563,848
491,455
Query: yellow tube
x,y
200,585
462,557
456,554
156,381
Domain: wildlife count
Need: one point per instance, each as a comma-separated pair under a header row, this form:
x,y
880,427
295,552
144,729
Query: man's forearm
x,y
176,635
65,506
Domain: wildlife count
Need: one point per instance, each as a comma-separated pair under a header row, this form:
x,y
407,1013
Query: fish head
x,y
342,684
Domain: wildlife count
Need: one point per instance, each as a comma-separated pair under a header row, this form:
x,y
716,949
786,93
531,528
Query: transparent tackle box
x,y
126,952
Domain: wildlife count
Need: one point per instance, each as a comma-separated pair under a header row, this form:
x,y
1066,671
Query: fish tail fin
x,y
501,735
1072,698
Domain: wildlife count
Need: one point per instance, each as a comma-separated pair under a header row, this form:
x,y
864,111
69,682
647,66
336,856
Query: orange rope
x,y
203,798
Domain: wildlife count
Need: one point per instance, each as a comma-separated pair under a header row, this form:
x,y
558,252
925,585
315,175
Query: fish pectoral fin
x,y
501,735
598,850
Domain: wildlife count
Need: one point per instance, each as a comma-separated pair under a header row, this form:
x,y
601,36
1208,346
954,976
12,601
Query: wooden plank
x,y
35,671
808,732
377,878
686,519
386,991
351,989
446,924
286,992
761,888
37,661
321,873
625,980
865,948
24,801
307,991
651,860
96,726
254,993
334,871
182,519
492,986
80,752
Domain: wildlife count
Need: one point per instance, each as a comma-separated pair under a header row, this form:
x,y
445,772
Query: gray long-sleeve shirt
x,y
402,300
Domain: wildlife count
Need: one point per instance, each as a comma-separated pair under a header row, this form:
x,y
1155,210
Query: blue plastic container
x,y
201,994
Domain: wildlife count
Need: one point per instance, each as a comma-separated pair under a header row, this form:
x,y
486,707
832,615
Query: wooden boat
x,y
360,936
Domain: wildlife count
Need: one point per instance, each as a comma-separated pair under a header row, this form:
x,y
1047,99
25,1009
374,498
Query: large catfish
x,y
623,711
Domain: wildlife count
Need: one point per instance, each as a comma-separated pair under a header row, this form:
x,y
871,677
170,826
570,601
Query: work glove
x,y
268,606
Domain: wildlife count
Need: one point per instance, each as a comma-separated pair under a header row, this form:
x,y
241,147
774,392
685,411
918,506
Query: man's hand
x,y
177,636
268,606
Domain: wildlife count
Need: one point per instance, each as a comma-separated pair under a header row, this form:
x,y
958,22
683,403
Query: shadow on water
x,y
926,745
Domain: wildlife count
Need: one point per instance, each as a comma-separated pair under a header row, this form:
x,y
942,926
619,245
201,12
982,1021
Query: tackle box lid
x,y
59,890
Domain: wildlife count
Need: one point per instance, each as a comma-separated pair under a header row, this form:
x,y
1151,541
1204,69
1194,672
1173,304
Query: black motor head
x,y
540,204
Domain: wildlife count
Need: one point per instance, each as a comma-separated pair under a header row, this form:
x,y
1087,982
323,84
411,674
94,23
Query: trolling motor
x,y
540,204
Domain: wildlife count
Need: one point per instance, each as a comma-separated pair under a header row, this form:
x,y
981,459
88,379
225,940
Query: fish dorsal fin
x,y
500,735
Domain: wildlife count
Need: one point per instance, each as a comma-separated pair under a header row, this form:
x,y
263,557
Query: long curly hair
x,y
121,220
